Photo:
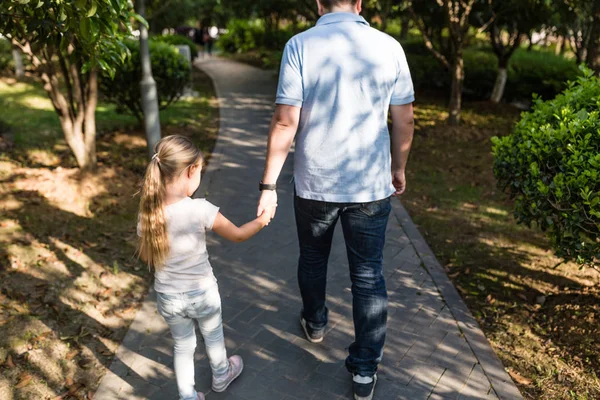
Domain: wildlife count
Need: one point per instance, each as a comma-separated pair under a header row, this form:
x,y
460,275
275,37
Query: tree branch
x,y
65,71
428,43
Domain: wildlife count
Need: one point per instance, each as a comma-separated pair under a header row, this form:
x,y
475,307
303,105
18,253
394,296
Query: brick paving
x,y
434,349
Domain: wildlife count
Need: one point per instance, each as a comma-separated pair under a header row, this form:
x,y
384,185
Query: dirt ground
x,y
541,315
70,283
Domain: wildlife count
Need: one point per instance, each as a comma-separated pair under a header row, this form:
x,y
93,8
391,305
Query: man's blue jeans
x,y
364,226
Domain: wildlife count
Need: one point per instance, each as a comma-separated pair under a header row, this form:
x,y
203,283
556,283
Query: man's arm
x,y
403,128
281,136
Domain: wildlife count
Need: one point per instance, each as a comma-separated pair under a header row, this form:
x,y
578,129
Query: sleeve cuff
x,y
400,101
289,102
213,218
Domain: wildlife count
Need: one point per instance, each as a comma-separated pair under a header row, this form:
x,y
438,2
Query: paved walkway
x,y
434,350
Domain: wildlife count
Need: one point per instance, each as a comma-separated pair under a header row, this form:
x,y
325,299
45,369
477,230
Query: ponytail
x,y
173,155
153,244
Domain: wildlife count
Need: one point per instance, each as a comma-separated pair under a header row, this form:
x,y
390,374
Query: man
x,y
338,81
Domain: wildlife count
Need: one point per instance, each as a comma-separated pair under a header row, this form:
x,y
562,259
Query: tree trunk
x,y
593,48
458,77
577,49
18,59
384,14
384,22
404,28
530,39
90,120
500,85
76,111
560,46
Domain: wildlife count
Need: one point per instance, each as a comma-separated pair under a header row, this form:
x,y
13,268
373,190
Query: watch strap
x,y
264,186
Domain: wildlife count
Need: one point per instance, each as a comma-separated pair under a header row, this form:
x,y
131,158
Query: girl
x,y
172,240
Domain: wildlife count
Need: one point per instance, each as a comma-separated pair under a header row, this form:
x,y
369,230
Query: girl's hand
x,y
267,215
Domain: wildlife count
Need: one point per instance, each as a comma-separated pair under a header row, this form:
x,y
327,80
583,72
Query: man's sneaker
x,y
363,386
312,335
236,365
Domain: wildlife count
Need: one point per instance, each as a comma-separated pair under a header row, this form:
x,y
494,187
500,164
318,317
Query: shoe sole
x,y
303,323
369,397
231,381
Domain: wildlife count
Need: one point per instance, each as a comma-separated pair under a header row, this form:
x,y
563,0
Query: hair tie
x,y
156,156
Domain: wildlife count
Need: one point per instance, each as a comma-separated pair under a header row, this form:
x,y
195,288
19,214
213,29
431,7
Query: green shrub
x,y
6,58
178,40
415,47
529,72
551,165
481,69
426,71
243,36
538,72
171,71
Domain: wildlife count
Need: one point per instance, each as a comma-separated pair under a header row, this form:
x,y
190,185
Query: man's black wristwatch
x,y
264,186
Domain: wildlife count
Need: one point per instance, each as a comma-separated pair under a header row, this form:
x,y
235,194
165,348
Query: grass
x,y
69,282
541,316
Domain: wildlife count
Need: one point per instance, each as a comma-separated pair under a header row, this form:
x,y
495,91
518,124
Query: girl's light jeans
x,y
179,311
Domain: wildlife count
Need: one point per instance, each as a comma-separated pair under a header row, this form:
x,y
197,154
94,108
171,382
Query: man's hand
x,y
399,181
267,215
268,199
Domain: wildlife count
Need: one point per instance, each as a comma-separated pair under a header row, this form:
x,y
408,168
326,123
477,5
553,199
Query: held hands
x,y
399,181
268,198
267,215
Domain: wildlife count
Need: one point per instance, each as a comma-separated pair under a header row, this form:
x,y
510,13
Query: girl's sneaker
x,y
236,365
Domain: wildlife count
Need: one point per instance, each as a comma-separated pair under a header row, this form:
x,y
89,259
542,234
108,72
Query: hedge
x,y
177,40
551,165
529,72
171,71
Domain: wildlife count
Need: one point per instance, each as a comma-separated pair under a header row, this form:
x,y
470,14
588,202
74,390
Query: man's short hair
x,y
330,3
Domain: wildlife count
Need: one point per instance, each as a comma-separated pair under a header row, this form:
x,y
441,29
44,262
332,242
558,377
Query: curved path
x,y
434,350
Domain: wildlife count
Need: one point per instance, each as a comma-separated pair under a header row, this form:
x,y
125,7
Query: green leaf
x,y
104,65
85,29
140,19
92,10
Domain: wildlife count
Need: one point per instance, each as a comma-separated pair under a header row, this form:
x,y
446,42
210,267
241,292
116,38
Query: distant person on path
x,y
172,239
209,40
338,82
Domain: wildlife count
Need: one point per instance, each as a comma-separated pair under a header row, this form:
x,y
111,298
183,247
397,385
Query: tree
x,y
383,10
571,19
593,52
67,42
445,25
163,14
271,11
507,21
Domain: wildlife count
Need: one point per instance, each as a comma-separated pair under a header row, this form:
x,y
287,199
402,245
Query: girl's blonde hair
x,y
173,155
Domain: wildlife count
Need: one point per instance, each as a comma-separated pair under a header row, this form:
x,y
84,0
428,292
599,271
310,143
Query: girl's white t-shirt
x,y
187,267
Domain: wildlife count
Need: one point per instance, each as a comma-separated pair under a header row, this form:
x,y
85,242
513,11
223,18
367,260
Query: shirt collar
x,y
334,18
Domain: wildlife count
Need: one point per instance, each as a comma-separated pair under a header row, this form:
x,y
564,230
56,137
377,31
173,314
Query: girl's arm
x,y
228,230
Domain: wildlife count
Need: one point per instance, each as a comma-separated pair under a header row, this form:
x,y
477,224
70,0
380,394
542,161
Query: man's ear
x,y
359,6
321,9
